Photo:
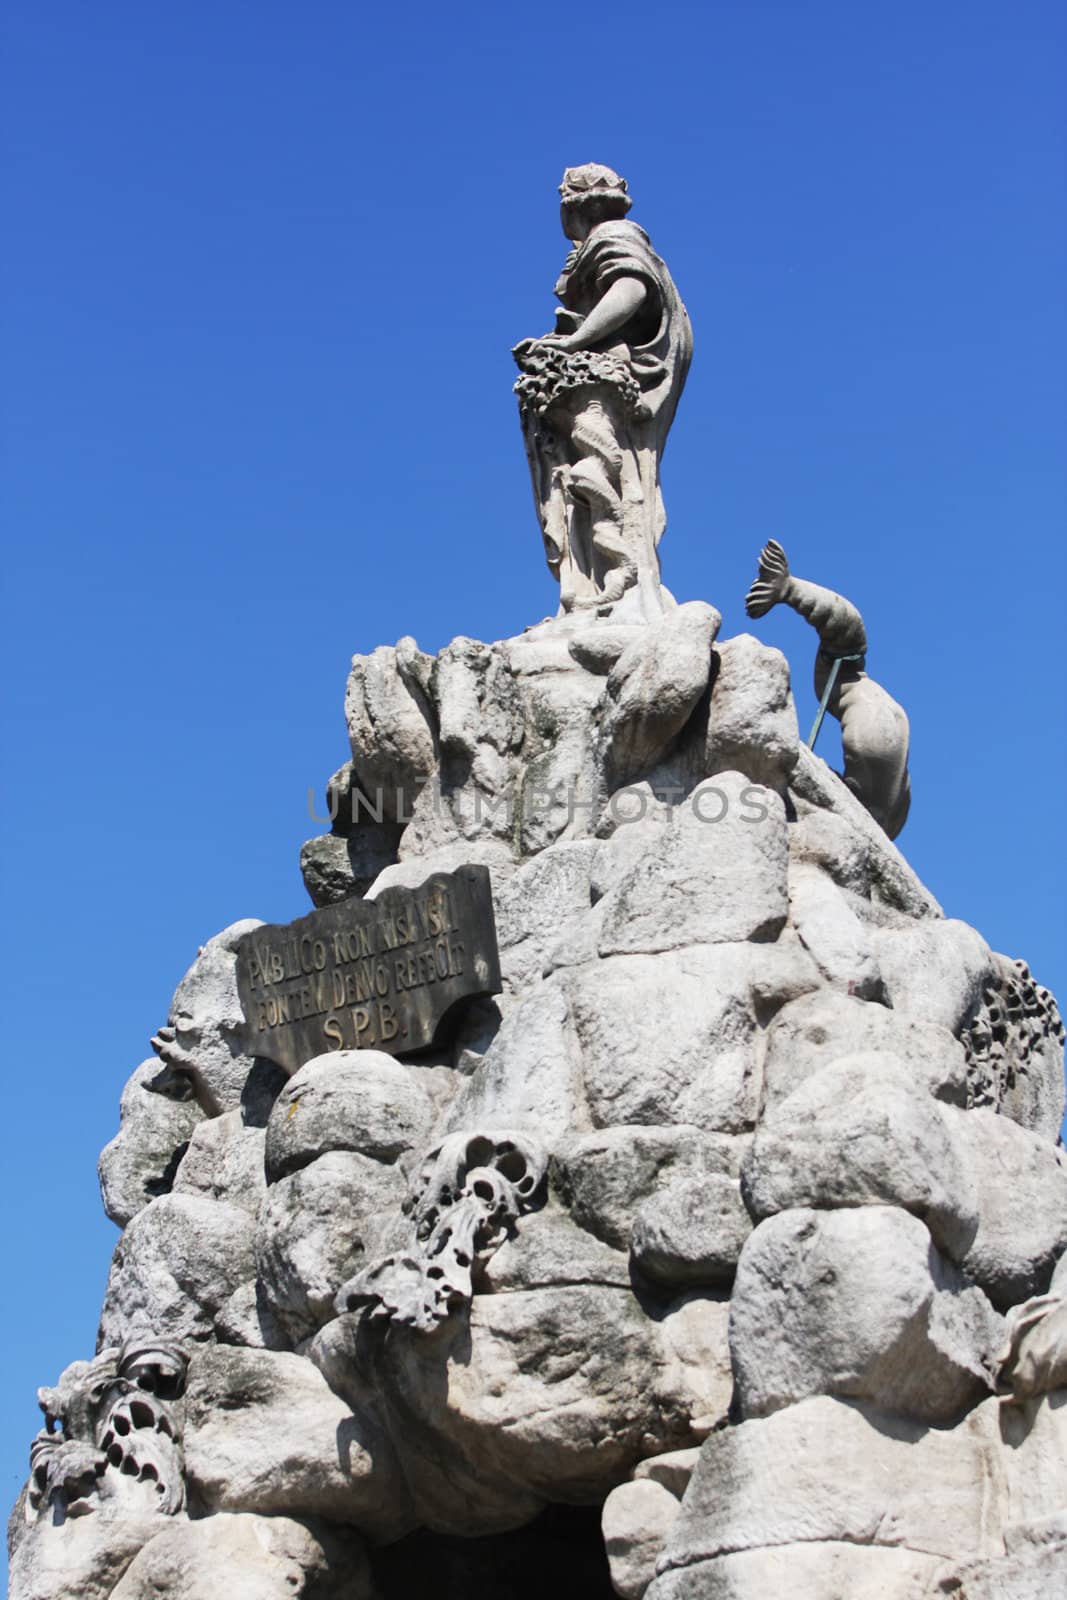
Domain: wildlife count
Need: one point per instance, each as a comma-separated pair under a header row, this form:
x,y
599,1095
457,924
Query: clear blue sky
x,y
264,265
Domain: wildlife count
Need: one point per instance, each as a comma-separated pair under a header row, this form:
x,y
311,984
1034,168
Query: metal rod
x,y
824,702
827,692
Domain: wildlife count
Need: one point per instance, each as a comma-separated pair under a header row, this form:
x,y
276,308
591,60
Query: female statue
x,y
597,397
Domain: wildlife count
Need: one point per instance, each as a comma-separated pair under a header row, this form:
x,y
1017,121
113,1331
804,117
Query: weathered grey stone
x,y
555,794
265,1433
389,727
357,1100
247,1319
668,1037
819,1027
141,1159
718,875
530,1076
599,644
1034,1573
471,794
821,1570
603,1178
224,1161
652,690
691,1231
335,866
548,1250
826,1500
889,880
832,933
752,721
1033,1359
81,1557
858,1304
673,1470
934,970
175,1267
564,1390
535,906
1031,1452
636,1519
852,850
317,1227
203,1041
827,1471
811,1499
630,824
832,842
1021,1182
859,1132
675,1037
412,870
477,700
248,1557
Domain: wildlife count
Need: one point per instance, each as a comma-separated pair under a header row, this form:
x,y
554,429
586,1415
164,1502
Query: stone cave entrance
x,y
561,1553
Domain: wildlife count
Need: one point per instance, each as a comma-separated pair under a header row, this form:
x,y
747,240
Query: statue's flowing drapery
x,y
595,421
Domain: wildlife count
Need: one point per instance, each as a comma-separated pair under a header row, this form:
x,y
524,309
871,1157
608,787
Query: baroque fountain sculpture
x,y
721,1254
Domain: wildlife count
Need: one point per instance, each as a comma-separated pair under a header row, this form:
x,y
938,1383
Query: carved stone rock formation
x,y
750,1172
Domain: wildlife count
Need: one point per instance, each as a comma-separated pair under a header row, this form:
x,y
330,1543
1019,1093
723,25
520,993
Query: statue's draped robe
x,y
657,342
643,367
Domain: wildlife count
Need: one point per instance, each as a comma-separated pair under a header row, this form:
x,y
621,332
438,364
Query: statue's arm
x,y
621,300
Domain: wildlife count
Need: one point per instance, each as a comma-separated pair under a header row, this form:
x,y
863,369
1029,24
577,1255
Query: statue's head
x,y
589,195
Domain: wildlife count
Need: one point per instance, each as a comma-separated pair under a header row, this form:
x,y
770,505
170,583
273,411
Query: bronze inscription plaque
x,y
369,974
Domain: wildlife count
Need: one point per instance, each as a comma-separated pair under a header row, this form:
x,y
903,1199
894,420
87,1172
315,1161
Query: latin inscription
x,y
368,974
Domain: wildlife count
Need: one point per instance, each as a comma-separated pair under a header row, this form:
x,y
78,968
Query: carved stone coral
x,y
1016,1018
470,1191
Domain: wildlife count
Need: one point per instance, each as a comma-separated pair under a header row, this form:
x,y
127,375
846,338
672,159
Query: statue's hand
x,y
558,341
562,341
531,353
170,1052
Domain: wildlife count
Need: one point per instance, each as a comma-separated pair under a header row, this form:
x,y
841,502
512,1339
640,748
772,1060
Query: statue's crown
x,y
592,181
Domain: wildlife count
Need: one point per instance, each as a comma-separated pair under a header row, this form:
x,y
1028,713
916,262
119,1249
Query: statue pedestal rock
x,y
714,1248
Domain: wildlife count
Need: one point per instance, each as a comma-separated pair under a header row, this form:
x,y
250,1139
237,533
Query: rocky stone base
x,y
732,1221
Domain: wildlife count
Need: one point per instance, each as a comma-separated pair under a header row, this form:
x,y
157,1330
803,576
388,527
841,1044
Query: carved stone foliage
x,y
112,1437
470,1191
